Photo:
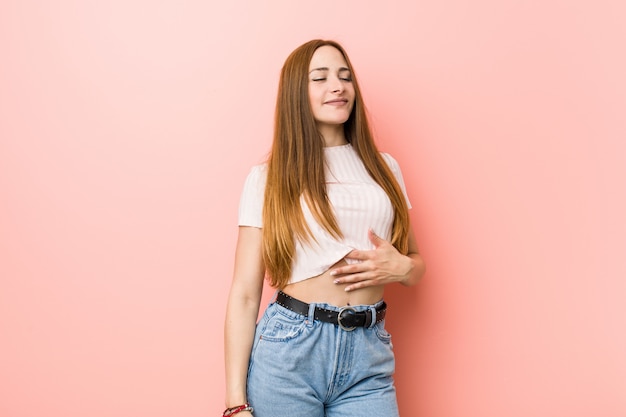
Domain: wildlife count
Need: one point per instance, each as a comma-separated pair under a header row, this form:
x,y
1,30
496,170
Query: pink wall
x,y
127,128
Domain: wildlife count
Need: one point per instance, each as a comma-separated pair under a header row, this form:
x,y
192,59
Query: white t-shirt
x,y
359,204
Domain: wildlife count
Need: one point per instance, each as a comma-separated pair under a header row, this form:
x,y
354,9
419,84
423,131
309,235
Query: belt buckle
x,y
340,316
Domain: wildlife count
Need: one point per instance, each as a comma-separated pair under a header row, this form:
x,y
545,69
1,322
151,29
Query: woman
x,y
326,221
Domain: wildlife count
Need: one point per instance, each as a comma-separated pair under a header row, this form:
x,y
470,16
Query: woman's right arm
x,y
242,312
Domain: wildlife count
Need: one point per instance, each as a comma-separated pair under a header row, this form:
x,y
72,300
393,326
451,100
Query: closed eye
x,y
347,79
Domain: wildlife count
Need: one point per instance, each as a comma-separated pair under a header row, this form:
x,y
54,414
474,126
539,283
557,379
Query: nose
x,y
336,86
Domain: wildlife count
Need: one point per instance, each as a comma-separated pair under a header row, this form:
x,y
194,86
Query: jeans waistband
x,y
348,318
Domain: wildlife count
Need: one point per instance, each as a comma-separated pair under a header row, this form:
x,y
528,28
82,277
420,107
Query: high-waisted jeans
x,y
305,368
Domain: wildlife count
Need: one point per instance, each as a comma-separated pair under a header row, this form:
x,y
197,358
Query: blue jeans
x,y
305,368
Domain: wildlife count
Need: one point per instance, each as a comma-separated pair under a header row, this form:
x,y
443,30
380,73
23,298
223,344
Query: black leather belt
x,y
347,317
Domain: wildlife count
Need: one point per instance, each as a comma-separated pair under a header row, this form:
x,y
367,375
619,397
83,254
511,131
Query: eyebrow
x,y
326,69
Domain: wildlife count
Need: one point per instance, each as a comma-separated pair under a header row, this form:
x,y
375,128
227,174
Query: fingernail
x,y
336,281
333,273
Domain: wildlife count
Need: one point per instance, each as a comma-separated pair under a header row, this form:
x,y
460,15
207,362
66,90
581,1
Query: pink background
x,y
127,129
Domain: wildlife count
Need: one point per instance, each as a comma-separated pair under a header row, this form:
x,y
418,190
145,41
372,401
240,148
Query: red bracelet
x,y
234,410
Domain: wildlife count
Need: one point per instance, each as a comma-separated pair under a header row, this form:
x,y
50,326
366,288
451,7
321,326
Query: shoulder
x,y
391,162
254,184
257,174
251,201
397,173
260,169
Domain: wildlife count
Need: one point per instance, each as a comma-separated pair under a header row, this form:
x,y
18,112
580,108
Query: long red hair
x,y
296,168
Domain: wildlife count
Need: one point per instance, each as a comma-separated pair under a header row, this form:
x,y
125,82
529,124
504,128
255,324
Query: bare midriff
x,y
322,289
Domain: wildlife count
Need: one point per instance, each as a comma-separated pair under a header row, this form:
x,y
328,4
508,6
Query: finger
x,y
349,269
352,277
360,255
374,238
361,284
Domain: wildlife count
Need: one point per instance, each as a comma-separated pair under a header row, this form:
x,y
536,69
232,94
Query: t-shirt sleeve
x,y
395,169
252,197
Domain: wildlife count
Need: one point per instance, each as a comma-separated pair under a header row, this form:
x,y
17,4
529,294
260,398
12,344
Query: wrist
x,y
237,398
408,267
415,271
231,411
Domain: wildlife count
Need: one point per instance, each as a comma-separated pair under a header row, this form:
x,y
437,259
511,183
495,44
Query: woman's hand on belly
x,y
380,266
322,289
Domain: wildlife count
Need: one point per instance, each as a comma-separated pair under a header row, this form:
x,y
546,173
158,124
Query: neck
x,y
333,135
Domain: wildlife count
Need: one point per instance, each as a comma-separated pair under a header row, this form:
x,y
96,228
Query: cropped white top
x,y
359,204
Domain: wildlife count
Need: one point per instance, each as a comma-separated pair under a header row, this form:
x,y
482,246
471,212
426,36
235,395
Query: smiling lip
x,y
337,102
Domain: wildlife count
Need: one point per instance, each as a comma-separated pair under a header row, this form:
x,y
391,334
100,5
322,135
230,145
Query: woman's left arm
x,y
382,265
